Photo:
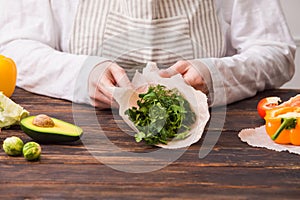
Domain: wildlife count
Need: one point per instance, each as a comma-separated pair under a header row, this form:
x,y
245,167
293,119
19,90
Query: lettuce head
x,y
10,112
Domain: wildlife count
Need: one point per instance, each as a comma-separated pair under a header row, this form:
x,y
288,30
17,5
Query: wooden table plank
x,y
188,181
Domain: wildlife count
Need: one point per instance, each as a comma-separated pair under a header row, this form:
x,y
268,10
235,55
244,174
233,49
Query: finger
x,y
104,94
179,67
106,89
99,104
120,77
167,73
99,100
99,96
102,101
101,91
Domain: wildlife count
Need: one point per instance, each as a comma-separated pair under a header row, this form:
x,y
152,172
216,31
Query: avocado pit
x,y
43,120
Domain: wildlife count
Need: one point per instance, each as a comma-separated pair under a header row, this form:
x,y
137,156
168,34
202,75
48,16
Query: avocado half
x,y
61,132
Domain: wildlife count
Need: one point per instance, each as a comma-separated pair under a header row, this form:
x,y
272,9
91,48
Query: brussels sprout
x,y
13,146
32,151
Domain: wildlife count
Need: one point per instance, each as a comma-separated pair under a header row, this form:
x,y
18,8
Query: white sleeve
x,y
264,52
29,37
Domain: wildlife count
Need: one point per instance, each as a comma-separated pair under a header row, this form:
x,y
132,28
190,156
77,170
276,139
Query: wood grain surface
x,y
232,170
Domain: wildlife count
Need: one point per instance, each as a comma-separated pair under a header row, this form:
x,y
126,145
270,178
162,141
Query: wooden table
x,y
232,170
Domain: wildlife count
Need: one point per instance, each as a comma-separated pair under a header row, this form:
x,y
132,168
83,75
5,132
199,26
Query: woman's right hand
x,y
103,79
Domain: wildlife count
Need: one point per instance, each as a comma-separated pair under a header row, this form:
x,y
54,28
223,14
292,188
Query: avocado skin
x,y
49,137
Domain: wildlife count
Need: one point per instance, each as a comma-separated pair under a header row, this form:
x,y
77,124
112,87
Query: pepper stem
x,y
287,123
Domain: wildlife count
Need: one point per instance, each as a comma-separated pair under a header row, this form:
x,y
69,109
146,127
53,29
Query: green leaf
x,y
162,115
139,136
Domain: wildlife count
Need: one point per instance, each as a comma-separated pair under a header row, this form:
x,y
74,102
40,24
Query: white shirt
x,y
36,34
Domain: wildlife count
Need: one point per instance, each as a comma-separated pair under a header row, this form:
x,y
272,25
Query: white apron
x,y
134,32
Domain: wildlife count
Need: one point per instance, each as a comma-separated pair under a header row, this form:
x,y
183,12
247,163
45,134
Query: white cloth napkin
x,y
258,137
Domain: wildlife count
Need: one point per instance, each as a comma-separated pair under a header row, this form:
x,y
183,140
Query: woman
x,y
80,50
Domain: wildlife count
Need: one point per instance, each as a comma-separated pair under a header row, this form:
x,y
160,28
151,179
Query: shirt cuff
x,y
213,79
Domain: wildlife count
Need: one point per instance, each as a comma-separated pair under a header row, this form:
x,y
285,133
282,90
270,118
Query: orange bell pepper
x,y
8,75
283,125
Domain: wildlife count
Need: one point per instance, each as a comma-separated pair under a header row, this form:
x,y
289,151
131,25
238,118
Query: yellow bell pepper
x,y
283,125
8,75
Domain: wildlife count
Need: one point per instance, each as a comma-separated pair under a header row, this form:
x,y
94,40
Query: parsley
x,y
161,115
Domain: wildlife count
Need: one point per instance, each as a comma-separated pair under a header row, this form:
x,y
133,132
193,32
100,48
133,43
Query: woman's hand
x,y
103,79
192,75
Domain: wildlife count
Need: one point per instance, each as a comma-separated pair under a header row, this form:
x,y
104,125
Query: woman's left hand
x,y
192,75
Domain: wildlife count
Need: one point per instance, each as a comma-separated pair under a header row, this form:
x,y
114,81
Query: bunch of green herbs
x,y
162,115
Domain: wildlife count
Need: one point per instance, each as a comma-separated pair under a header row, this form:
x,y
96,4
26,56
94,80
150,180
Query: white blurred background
x,y
291,9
